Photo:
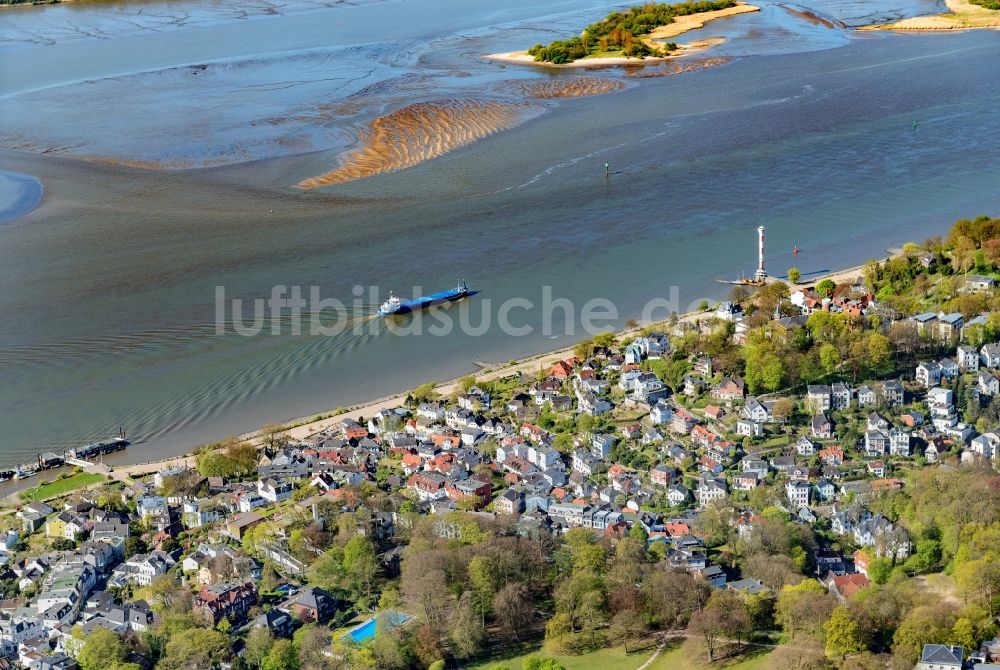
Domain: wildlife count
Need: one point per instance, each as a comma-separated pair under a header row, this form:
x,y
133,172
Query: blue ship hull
x,y
417,304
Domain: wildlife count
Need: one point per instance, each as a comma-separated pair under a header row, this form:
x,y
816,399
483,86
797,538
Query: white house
x,y
968,358
273,490
798,492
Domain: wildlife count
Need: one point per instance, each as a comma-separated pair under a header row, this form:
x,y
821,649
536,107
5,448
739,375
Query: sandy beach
x,y
683,24
963,16
656,39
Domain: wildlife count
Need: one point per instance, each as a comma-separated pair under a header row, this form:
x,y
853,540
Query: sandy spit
x,y
683,24
964,16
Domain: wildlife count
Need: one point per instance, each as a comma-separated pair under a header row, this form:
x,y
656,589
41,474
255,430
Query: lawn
x,y
613,658
677,657
62,486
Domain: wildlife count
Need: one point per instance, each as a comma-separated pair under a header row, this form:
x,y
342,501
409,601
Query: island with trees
x,y
639,32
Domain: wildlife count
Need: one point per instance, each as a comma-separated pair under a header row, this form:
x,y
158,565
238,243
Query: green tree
x,y
628,626
804,607
281,656
135,545
327,571
541,663
794,275
360,566
101,649
258,642
465,628
843,634
826,287
963,634
195,648
879,570
878,349
829,357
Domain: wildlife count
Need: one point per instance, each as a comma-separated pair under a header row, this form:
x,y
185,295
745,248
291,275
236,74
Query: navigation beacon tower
x,y
761,274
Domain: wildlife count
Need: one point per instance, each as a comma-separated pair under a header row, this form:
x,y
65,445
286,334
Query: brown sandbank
x,y
417,133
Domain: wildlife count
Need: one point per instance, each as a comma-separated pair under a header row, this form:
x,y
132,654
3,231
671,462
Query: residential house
x,y
710,488
660,413
926,322
749,428
274,491
893,393
662,475
899,442
987,383
845,586
978,283
822,427
941,657
678,494
832,455
989,355
314,604
601,444
279,622
928,374
841,395
949,325
239,524
730,388
798,492
825,490
755,411
949,368
818,397
510,501
224,601
804,446
866,396
968,358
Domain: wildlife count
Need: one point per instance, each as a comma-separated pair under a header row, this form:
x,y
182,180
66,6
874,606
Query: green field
x,y
678,658
613,658
61,486
673,657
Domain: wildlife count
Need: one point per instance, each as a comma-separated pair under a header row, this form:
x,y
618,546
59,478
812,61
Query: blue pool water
x,y
366,631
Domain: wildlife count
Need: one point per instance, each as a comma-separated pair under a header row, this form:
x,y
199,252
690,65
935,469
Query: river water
x,y
169,138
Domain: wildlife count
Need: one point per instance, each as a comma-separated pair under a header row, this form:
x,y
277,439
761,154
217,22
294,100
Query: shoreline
x,y
304,426
656,39
963,16
308,425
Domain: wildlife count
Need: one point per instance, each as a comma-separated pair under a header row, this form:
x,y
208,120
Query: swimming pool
x,y
366,631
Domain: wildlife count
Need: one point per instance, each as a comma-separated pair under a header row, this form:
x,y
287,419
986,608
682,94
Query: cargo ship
x,y
393,305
